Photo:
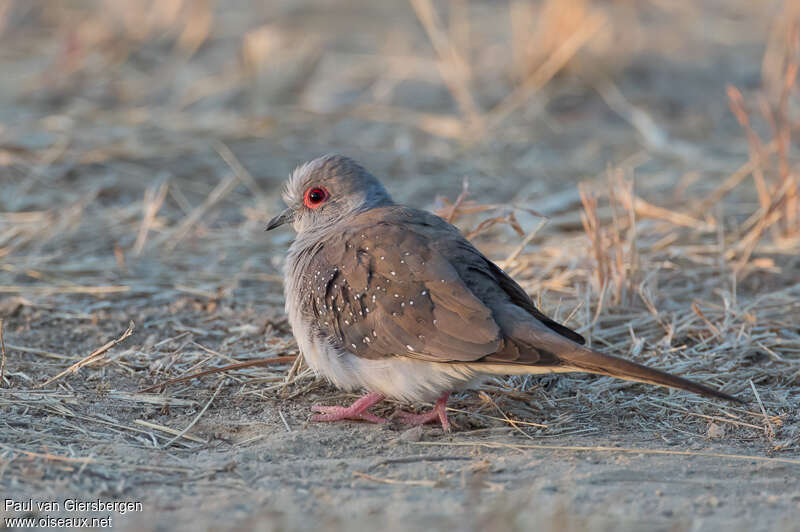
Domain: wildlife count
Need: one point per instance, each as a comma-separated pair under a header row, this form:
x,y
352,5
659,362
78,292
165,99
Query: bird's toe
x,y
339,413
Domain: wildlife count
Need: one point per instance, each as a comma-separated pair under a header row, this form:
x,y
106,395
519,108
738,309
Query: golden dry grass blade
x,y
172,238
613,450
539,78
3,381
49,456
50,289
194,421
454,69
94,356
230,367
372,478
154,197
168,430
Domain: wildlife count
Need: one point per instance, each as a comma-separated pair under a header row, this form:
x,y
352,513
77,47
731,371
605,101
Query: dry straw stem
x,y
231,367
459,200
439,125
168,430
50,289
771,429
49,456
292,374
172,238
613,247
504,420
451,211
654,137
94,356
733,180
2,357
716,418
525,241
372,478
513,423
454,69
612,450
766,217
592,24
780,61
757,153
241,172
197,418
84,461
154,196
776,115
285,423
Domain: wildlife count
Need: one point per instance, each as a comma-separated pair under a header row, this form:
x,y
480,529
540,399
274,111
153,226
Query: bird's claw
x,y
437,413
407,418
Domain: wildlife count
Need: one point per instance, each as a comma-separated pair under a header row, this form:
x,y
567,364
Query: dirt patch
x,y
142,153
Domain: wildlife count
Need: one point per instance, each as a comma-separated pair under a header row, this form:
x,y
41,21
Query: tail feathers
x,y
539,349
583,359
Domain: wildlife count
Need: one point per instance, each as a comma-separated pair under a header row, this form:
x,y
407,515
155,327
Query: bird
x,y
395,302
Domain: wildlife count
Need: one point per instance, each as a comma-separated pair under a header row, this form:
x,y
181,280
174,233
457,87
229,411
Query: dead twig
x,y
459,200
426,483
285,423
542,75
527,240
231,367
771,431
154,197
2,356
50,457
92,357
603,449
196,419
241,172
453,68
168,430
221,191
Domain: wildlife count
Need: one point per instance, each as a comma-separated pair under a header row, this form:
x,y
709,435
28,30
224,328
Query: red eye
x,y
315,197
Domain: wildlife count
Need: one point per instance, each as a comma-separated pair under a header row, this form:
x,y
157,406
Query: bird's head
x,y
326,190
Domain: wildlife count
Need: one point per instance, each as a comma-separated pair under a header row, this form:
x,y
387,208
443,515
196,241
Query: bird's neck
x,y
319,232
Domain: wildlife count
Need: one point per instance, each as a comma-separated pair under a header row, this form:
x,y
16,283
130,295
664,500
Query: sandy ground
x,y
123,199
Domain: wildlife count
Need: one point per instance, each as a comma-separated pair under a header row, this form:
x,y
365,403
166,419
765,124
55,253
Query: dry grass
x,y
147,156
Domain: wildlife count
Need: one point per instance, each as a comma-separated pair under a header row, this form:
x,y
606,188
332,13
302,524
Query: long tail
x,y
537,348
583,359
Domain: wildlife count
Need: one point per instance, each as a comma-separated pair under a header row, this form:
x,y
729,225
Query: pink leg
x,y
438,413
357,410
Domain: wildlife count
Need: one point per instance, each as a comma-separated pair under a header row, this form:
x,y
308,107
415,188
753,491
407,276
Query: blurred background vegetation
x,y
516,88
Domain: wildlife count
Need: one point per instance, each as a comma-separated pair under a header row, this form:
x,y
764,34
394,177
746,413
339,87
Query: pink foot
x,y
357,410
438,413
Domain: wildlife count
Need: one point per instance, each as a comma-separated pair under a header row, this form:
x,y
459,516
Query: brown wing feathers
x,y
417,288
522,299
382,300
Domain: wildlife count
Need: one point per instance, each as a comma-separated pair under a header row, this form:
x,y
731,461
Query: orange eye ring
x,y
314,197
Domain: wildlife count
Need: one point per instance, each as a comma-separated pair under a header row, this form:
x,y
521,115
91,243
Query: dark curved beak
x,y
286,217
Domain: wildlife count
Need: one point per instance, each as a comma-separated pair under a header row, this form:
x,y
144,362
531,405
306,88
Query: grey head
x,y
327,190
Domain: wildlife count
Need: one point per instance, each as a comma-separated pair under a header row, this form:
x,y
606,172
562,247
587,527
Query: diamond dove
x,y
394,301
